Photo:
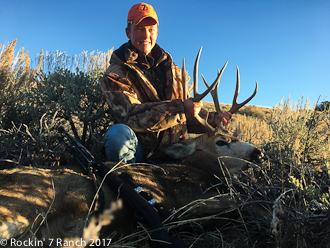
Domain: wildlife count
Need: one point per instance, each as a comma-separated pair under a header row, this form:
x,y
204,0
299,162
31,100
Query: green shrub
x,y
61,84
299,132
76,98
323,106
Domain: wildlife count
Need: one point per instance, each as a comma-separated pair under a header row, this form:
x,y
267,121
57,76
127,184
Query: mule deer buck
x,y
61,198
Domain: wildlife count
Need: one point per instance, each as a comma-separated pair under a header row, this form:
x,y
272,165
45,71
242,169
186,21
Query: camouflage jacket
x,y
146,94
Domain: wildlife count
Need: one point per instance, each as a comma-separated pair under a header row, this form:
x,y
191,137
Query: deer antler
x,y
184,81
213,89
235,106
214,92
198,97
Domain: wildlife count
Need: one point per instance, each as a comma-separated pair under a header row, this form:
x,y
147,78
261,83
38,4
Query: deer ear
x,y
179,150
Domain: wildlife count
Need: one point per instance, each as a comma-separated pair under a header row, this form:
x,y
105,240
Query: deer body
x,y
64,196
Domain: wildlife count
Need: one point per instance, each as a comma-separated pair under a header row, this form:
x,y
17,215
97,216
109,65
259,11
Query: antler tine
x,y
235,106
214,92
199,97
195,83
184,80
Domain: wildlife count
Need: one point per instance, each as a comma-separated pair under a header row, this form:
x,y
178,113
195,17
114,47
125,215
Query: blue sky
x,y
282,44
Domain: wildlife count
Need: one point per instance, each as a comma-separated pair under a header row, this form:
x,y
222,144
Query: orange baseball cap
x,y
140,11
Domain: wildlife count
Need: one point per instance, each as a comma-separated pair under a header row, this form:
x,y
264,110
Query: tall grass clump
x,y
15,75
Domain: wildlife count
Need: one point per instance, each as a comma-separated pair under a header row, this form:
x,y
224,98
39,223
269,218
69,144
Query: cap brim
x,y
142,18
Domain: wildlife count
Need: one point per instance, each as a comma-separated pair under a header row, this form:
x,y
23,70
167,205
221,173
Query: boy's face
x,y
143,35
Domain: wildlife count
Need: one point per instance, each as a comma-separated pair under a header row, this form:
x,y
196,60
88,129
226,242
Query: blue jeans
x,y
121,143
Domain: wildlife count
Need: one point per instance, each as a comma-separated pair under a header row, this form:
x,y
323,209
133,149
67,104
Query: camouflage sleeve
x,y
124,101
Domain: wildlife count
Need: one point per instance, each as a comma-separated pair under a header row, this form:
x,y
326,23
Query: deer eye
x,y
221,143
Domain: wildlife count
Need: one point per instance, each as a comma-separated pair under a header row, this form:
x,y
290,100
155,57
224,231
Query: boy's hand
x,y
191,108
